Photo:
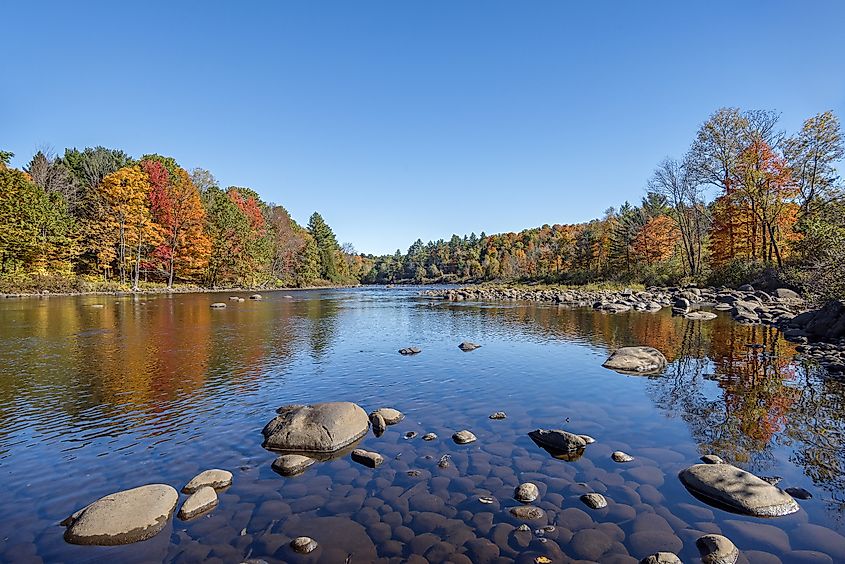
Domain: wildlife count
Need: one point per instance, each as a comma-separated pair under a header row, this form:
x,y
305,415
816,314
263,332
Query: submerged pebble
x,y
621,457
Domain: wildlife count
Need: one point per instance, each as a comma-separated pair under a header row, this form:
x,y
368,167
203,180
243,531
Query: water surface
x,y
157,388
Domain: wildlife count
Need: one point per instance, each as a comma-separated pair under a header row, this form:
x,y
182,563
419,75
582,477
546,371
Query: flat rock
x,y
202,500
410,350
527,512
498,415
367,458
594,500
256,297
464,437
716,549
740,490
620,456
218,305
215,478
429,436
467,346
526,493
123,517
558,439
391,416
318,428
292,464
636,360
701,315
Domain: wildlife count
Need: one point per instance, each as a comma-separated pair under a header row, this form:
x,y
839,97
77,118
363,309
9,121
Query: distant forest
x,y
747,200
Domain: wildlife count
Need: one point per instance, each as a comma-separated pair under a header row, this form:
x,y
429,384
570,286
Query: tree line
x,y
99,218
746,200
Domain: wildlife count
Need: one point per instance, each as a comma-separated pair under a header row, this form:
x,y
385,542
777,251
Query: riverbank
x,y
178,289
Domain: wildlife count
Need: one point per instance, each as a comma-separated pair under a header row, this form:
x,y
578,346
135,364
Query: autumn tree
x,y
812,155
657,239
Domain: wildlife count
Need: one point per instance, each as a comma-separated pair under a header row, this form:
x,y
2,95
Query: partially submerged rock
x,y
527,512
391,416
716,549
661,558
526,493
712,459
558,440
636,360
464,437
594,500
123,517
215,478
467,346
410,350
378,423
701,315
201,501
429,436
619,456
319,428
292,464
256,297
498,415
367,458
218,305
303,545
737,489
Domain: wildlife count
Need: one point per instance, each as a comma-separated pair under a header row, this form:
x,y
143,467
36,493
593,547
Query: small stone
x,y
773,480
712,459
409,351
621,457
233,298
199,502
429,436
587,439
594,500
413,473
256,297
291,464
464,437
526,493
410,435
661,558
486,500
498,415
367,458
241,300
467,346
444,461
303,545
218,305
523,528
215,478
799,493
527,512
391,416
378,423
716,549
542,560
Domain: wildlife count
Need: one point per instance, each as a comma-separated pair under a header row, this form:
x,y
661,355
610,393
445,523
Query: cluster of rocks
x,y
822,334
141,513
238,299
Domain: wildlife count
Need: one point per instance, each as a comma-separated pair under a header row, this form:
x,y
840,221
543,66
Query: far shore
x,y
174,290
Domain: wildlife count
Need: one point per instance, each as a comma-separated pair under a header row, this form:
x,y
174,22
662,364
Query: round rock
x,y
123,517
303,545
464,437
391,416
526,493
738,489
202,500
636,360
214,478
318,428
716,549
429,436
621,457
594,500
661,558
527,512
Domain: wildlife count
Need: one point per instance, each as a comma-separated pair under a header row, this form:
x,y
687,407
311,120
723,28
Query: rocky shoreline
x,y
819,332
164,290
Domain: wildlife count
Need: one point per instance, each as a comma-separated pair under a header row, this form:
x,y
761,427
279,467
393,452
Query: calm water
x,y
158,388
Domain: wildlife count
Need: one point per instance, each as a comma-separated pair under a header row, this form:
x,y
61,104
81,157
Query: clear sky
x,y
399,120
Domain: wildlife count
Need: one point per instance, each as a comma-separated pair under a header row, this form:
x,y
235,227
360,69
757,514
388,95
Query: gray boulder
x,y
742,491
318,428
558,440
636,360
123,517
786,294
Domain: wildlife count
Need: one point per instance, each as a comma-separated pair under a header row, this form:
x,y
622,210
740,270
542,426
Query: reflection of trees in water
x,y
321,315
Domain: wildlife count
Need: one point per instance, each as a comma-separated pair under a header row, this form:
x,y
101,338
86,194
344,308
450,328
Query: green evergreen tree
x,y
327,248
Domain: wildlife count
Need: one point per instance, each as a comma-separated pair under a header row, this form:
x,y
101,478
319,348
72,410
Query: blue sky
x,y
399,120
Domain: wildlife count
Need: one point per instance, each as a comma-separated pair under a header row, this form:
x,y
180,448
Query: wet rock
x,y
558,439
463,437
681,305
773,480
587,439
498,415
636,360
467,346
590,544
526,493
303,545
716,549
594,500
378,423
410,435
429,436
661,558
256,297
701,315
712,459
738,489
391,416
409,351
799,493
318,428
619,456
233,298
201,501
215,305
123,517
292,464
216,478
527,512
367,458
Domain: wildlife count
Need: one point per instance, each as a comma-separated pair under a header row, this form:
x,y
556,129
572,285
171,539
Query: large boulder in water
x,y
636,360
123,517
737,489
318,428
558,440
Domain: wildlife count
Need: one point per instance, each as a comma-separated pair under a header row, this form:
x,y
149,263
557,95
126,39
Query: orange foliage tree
x,y
657,239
